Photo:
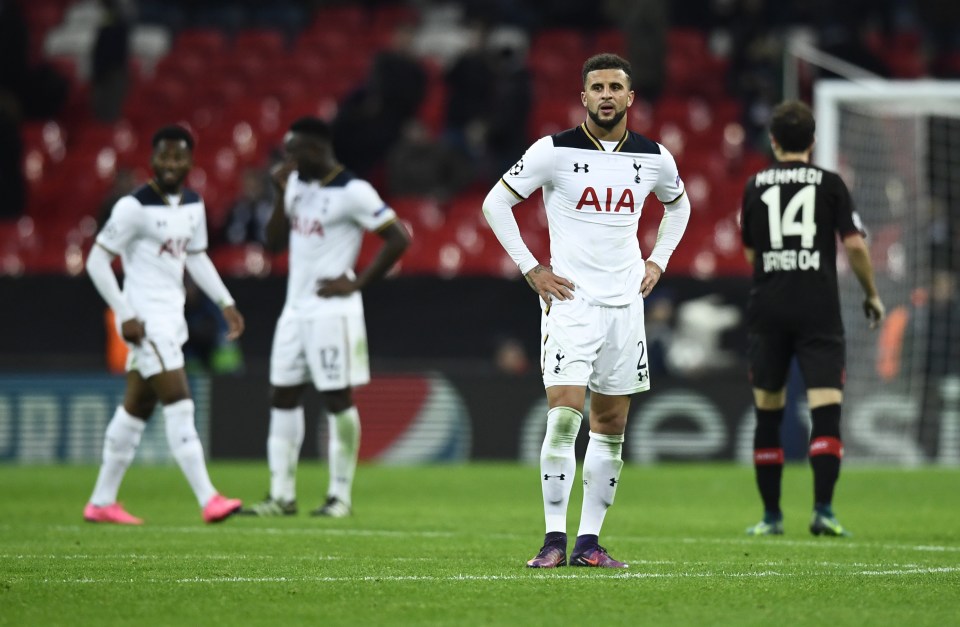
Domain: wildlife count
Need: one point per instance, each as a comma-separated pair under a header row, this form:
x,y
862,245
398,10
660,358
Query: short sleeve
x,y
368,209
847,219
669,187
199,241
289,192
122,226
532,171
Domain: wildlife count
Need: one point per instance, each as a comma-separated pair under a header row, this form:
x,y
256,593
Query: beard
x,y
606,124
171,186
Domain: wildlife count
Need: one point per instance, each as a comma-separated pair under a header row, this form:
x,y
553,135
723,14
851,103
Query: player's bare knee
x,y
770,399
566,396
608,422
142,409
818,397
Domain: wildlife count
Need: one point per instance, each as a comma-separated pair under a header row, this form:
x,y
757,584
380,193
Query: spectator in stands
x,y
372,117
420,165
249,214
490,100
644,25
109,74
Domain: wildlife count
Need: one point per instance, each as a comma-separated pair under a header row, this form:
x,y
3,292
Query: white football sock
x,y
283,451
119,448
558,465
186,448
601,475
343,447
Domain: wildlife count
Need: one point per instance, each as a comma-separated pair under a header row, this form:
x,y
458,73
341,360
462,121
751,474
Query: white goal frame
x,y
912,97
829,94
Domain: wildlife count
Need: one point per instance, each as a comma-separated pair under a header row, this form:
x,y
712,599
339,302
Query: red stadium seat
x,y
245,65
267,44
221,90
345,18
241,260
186,65
120,136
325,46
393,15
610,41
40,17
687,42
208,43
549,117
306,68
565,43
423,214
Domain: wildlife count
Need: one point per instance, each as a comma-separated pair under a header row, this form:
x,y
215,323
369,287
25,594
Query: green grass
x,y
445,545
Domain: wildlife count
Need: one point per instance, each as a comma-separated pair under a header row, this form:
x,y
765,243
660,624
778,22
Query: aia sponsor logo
x,y
175,247
306,227
590,198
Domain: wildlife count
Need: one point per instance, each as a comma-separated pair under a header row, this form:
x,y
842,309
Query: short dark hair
x,y
314,127
174,132
792,125
606,61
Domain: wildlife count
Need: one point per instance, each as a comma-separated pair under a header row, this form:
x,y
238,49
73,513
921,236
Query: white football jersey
x,y
327,221
593,197
152,233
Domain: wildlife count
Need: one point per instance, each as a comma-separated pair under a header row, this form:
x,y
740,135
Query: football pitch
x,y
446,545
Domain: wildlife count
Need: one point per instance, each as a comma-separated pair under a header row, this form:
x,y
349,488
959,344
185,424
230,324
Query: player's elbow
x,y
97,259
399,237
395,234
493,205
488,211
854,243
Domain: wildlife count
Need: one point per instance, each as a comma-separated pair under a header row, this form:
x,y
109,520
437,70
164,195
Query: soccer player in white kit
x,y
594,178
321,336
158,230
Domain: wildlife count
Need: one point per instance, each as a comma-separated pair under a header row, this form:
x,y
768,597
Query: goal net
x,y
897,146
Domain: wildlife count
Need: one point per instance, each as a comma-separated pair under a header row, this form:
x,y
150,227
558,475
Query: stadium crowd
x,y
430,100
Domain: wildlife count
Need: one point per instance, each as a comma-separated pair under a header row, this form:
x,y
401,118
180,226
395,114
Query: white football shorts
x,y
155,354
331,351
603,348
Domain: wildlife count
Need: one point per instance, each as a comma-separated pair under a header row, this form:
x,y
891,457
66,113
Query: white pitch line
x,y
832,544
195,557
823,543
279,531
943,569
321,558
516,577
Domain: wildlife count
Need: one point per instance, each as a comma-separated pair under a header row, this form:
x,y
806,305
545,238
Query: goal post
x,y
897,146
